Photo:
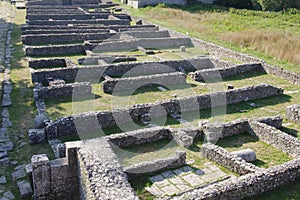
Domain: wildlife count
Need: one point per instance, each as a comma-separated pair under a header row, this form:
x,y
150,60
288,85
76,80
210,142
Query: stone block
x,y
247,154
36,136
25,189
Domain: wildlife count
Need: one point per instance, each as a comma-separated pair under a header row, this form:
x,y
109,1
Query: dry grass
x,y
280,44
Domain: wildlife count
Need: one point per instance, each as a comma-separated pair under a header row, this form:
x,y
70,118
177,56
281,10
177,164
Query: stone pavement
x,y
180,180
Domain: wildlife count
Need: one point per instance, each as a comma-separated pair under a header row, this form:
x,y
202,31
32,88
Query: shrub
x,y
235,3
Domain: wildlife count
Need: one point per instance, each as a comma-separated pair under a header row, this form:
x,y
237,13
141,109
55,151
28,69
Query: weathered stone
x,y
247,154
25,189
36,136
3,179
39,121
18,174
9,195
3,154
7,146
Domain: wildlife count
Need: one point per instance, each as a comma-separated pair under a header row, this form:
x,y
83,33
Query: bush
x,y
275,5
235,3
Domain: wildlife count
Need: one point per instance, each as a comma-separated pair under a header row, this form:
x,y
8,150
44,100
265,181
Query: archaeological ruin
x,y
133,110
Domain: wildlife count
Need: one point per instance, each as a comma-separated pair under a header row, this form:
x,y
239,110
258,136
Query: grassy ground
x,y
273,37
22,111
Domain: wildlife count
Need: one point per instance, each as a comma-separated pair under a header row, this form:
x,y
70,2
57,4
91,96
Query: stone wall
x,y
293,113
63,38
248,185
105,22
47,63
276,138
140,136
211,74
101,175
55,50
167,80
66,125
148,43
64,90
119,69
227,159
155,166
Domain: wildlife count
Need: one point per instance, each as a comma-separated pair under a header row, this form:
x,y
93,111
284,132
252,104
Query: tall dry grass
x,y
276,43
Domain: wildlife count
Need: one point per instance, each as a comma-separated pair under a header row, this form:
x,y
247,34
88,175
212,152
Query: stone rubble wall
x,y
64,90
105,22
227,159
105,178
155,166
147,43
64,38
121,69
150,34
47,63
276,138
55,50
167,80
54,30
211,74
248,185
293,113
60,2
140,136
66,125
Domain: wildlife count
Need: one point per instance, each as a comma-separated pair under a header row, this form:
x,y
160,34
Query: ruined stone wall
x,y
211,74
148,43
155,166
119,69
105,22
276,138
63,38
293,113
140,136
227,159
55,50
111,85
64,90
66,125
248,185
47,63
97,159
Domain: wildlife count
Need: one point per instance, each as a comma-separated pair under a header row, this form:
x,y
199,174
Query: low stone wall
x,y
119,69
140,136
227,159
167,80
94,60
64,90
155,166
248,185
276,138
47,63
101,175
33,16
212,74
105,22
148,43
293,113
66,125
64,31
55,50
64,38
150,34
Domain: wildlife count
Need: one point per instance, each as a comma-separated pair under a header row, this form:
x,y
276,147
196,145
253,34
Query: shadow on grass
x,y
289,131
236,141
